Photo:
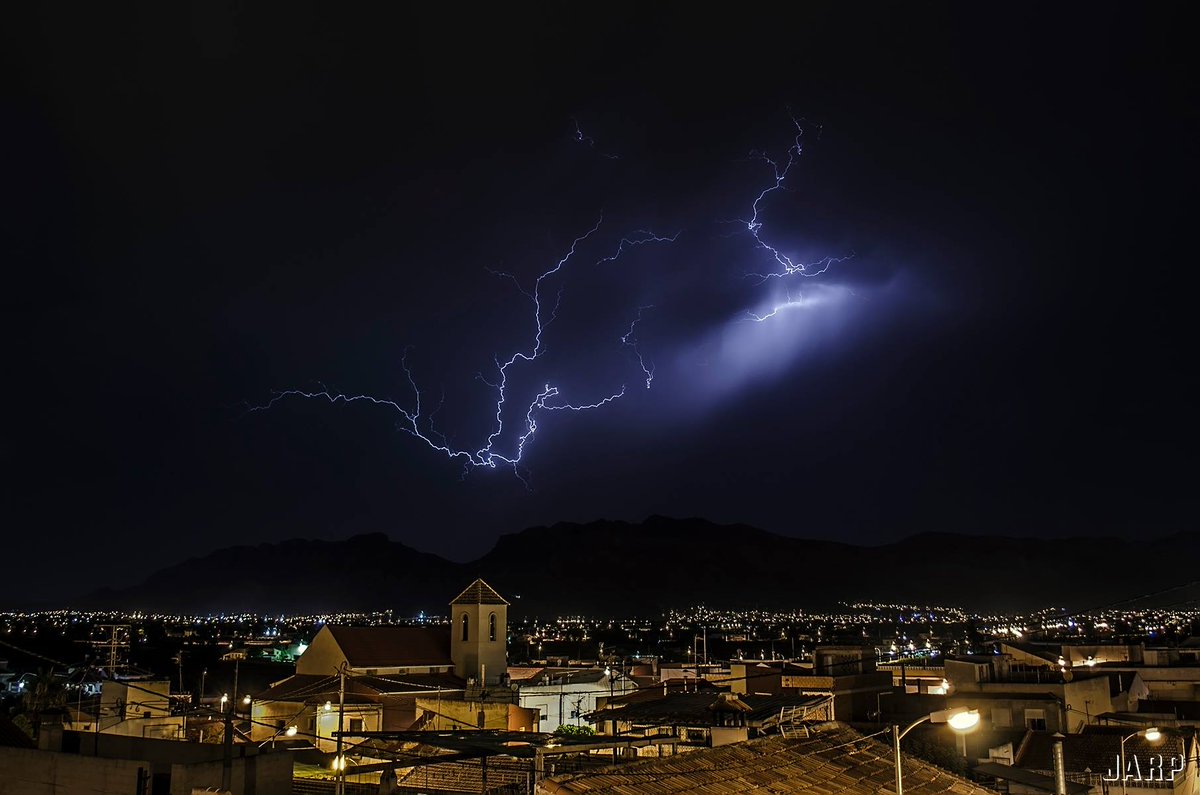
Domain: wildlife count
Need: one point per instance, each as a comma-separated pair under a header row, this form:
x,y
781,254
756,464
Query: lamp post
x,y
1151,734
960,719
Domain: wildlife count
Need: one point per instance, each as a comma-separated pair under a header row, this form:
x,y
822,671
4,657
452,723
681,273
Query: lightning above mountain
x,y
492,454
514,413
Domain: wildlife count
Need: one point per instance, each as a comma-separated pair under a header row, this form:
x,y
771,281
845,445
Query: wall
x,y
556,702
466,714
755,677
267,774
1086,698
726,735
323,656
29,772
327,722
292,713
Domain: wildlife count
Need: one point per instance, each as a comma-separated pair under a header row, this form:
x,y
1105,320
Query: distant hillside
x,y
625,568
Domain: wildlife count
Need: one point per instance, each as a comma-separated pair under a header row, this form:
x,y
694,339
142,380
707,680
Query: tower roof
x,y
479,593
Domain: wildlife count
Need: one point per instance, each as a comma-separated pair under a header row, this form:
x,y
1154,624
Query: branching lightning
x,y
629,340
590,141
505,446
490,455
754,225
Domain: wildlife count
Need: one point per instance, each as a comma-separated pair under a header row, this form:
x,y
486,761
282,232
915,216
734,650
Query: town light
x,y
246,699
964,721
328,706
291,731
1152,734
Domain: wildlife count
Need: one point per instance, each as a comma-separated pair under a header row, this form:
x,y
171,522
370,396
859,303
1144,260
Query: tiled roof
x,y
316,689
700,709
383,647
1028,778
521,673
556,676
833,759
1096,749
479,593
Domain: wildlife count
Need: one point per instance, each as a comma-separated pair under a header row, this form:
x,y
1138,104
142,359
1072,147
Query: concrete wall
x,y
323,656
556,702
1086,698
268,774
726,735
466,714
29,772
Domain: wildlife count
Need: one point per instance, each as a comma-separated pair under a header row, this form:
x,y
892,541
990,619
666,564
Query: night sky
x,y
207,204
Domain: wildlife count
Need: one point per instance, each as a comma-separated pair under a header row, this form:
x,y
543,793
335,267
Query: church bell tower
x,y
478,634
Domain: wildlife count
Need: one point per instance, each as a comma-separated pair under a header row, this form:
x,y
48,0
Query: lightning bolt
x,y
754,225
490,454
590,141
630,341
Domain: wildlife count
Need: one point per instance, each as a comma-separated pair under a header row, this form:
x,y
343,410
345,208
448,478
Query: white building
x,y
565,695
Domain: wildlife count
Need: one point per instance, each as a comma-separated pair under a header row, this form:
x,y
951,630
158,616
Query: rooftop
x,y
1096,749
833,759
701,709
479,593
393,646
314,688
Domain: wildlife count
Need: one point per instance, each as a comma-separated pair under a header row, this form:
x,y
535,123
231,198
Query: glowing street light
x,y
1152,735
964,721
960,719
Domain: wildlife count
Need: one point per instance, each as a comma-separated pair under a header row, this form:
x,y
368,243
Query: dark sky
x,y
204,205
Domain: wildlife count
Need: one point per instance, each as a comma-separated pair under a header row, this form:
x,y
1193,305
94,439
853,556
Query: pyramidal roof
x,y
479,593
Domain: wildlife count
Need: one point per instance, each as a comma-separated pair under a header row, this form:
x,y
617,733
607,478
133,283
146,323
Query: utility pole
x,y
338,759
227,759
113,644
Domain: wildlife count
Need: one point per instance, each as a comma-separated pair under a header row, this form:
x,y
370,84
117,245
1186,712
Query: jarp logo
x,y
1158,768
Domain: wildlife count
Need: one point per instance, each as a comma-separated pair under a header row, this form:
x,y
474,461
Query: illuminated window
x,y
465,626
492,627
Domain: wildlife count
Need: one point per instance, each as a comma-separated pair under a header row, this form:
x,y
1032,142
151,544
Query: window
x,y
1035,720
492,627
1001,717
465,625
356,724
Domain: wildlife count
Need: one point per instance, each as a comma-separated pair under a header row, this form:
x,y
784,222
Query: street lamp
x,y
960,719
1151,733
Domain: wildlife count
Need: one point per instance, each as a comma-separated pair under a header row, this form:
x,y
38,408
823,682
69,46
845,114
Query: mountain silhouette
x,y
611,568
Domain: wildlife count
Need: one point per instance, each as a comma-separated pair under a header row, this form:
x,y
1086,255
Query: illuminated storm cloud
x,y
792,308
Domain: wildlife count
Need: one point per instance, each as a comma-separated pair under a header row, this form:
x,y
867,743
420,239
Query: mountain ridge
x,y
609,567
